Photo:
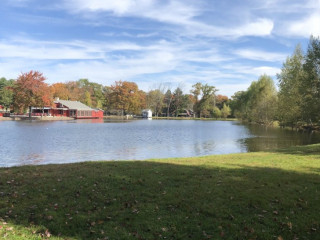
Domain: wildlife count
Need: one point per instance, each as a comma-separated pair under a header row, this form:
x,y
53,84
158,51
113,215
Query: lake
x,y
41,142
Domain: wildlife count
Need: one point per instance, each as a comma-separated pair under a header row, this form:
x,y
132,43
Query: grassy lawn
x,y
238,196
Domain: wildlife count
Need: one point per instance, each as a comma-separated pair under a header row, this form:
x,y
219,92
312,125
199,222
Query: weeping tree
x,y
259,103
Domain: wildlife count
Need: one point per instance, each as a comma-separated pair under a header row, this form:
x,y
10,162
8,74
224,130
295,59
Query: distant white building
x,y
146,113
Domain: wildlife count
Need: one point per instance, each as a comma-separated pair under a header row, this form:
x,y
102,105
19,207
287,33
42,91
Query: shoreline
x,y
45,118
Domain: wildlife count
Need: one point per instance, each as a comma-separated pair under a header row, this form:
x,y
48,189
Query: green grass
x,y
238,196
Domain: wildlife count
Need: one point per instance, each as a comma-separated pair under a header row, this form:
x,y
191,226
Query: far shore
x,y
112,117
45,118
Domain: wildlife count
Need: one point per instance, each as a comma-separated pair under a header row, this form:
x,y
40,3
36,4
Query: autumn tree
x,y
31,90
221,100
60,90
126,97
74,92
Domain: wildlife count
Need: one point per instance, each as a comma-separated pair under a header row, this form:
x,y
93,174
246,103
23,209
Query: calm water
x,y
24,142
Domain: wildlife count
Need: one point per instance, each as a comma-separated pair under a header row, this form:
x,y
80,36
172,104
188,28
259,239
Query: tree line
x,y
122,97
297,101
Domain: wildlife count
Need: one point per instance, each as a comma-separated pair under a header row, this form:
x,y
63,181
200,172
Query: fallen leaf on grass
x,y
47,233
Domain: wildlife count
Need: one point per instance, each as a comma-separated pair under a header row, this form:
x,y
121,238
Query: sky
x,y
172,43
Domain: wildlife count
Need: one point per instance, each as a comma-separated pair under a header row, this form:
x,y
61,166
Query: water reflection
x,y
266,138
27,142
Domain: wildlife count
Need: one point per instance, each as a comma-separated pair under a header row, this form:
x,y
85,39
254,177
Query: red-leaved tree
x,y
30,90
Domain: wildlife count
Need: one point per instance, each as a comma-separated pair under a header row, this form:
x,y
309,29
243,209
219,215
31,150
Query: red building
x,y
1,110
65,108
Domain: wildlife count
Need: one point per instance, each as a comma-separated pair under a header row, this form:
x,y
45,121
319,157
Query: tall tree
x,y
208,100
6,92
31,90
262,100
196,92
97,96
239,105
60,90
205,105
168,98
155,101
177,103
290,104
225,111
258,103
310,87
126,97
216,112
74,91
221,100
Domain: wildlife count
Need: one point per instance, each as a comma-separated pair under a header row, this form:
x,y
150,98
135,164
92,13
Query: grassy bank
x,y
237,196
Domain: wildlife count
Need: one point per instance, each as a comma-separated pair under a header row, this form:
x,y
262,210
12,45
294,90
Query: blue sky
x,y
227,44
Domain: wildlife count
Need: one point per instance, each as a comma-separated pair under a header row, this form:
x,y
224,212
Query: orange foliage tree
x,y
31,90
60,90
220,100
126,96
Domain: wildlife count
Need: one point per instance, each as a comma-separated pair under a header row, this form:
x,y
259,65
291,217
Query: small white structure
x,y
147,113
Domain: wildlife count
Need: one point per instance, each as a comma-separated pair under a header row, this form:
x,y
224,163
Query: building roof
x,y
74,105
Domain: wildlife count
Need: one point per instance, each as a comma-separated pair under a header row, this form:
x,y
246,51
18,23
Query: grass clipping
x,y
237,196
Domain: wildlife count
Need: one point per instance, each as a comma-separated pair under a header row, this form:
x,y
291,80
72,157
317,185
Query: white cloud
x,y
260,55
118,7
47,52
271,71
261,27
305,27
253,71
294,18
177,13
173,12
